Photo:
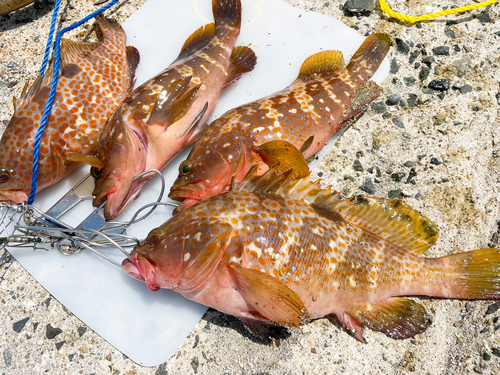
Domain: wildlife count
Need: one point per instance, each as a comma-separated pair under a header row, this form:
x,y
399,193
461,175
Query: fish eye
x,y
155,236
96,172
4,175
185,167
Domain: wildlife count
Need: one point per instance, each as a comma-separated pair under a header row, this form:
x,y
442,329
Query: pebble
x,y
424,73
493,308
394,194
397,121
81,331
441,51
486,356
52,332
402,47
379,107
7,357
413,56
480,37
450,34
495,352
409,81
162,369
357,166
398,176
364,7
477,370
394,68
60,344
368,186
429,60
435,161
19,325
461,67
456,48
393,99
440,84
194,364
410,164
206,329
313,350
412,98
483,17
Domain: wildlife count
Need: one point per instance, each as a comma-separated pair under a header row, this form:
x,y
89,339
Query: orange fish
x,y
276,250
325,97
93,79
167,113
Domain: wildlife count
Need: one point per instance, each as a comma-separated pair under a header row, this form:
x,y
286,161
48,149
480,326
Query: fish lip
x,y
195,190
111,212
13,196
130,266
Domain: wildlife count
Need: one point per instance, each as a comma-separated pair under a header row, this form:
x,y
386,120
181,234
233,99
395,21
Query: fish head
x,y
122,152
205,173
181,254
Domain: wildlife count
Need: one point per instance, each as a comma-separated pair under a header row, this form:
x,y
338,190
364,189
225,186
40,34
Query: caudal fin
x,y
227,12
368,58
472,275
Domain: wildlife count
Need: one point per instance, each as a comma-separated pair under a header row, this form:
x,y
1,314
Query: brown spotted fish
x,y
324,98
276,250
166,114
94,78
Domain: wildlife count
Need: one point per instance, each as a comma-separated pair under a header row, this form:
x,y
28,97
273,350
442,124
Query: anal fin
x,y
243,60
271,297
399,317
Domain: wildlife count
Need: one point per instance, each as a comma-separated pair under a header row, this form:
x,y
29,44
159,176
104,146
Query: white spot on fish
x,y
293,110
187,256
197,236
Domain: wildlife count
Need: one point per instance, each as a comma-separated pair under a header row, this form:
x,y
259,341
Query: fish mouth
x,y
13,196
114,200
140,268
188,195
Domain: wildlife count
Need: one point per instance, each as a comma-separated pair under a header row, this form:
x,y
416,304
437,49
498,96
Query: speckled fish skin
x,y
142,134
318,104
94,78
353,258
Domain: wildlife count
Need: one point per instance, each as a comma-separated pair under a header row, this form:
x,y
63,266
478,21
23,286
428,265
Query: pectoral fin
x,y
284,156
92,160
173,102
270,296
199,272
243,60
398,318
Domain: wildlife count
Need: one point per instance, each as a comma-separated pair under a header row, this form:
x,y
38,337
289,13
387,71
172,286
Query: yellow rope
x,y
385,8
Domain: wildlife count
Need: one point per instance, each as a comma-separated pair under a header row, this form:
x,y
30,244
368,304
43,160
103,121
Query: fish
x,y
280,250
324,98
7,6
94,77
167,113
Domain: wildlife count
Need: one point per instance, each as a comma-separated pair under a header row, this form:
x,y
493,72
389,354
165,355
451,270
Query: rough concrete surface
x,y
435,147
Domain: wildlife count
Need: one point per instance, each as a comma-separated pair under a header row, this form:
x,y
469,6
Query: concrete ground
x,y
431,139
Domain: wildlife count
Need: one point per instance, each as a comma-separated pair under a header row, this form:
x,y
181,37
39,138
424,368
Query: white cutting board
x,y
149,327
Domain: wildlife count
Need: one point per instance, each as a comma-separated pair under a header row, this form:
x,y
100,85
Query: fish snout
x,y
140,268
16,196
189,195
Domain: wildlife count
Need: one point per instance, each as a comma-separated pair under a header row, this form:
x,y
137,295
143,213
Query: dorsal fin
x,y
389,219
199,39
72,51
321,64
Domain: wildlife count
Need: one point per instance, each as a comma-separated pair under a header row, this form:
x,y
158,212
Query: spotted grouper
x,y
282,251
324,98
168,112
94,77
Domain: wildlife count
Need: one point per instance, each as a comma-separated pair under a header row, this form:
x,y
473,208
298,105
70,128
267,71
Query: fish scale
x,y
281,250
321,101
94,79
168,112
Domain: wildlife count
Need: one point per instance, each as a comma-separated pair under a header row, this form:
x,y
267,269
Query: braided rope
x,y
53,87
386,9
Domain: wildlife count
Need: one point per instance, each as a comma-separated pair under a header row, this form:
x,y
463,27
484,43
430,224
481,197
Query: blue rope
x,y
48,46
52,93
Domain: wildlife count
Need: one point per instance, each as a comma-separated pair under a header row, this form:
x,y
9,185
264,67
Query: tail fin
x,y
227,12
368,58
473,274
